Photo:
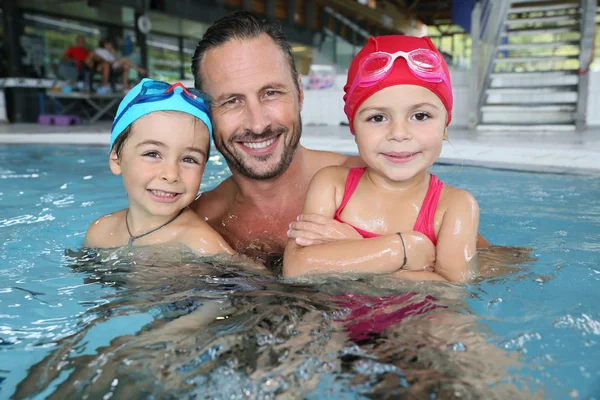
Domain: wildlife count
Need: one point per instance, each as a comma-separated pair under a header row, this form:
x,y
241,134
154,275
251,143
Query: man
x,y
246,66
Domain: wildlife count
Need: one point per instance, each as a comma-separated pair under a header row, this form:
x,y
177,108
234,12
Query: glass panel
x,y
189,47
344,54
46,39
327,47
164,60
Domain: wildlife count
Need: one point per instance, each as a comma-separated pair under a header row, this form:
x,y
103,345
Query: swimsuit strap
x,y
132,238
425,221
352,180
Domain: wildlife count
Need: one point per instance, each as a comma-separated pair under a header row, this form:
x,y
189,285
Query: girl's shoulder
x,y
456,198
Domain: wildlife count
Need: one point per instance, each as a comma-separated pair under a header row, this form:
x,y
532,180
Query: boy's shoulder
x,y
98,232
198,235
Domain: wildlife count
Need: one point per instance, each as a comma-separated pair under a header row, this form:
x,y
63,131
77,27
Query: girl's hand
x,y
420,252
311,229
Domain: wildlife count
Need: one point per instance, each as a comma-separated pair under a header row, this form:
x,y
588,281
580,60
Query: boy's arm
x,y
205,241
383,254
456,250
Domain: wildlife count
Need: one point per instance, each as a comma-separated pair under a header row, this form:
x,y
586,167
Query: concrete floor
x,y
562,152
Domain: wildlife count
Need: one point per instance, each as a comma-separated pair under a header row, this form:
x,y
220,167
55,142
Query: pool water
x,y
154,323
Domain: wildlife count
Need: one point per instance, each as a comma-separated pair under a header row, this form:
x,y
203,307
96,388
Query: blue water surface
x,y
546,313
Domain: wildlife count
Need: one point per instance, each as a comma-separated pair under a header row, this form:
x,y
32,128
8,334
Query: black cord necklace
x,y
132,238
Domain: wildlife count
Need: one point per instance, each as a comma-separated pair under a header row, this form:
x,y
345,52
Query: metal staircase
x,y
535,78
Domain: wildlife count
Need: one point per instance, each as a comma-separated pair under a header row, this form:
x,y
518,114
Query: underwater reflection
x,y
216,329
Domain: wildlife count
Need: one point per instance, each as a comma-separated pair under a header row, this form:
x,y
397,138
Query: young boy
x,y
160,141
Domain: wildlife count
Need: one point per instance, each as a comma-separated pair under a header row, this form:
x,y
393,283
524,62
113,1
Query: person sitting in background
x,y
78,53
105,61
72,66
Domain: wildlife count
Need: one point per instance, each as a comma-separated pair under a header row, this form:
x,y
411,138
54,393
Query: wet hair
x,y
241,25
121,139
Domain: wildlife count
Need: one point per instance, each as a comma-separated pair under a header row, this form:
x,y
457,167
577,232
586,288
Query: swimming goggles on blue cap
x,y
159,96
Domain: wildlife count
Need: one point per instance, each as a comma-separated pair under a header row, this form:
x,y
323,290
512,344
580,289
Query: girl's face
x,y
399,131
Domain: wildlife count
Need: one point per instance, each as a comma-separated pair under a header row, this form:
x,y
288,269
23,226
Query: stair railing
x,y
586,58
487,22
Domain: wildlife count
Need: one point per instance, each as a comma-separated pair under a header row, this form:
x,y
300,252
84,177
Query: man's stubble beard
x,y
236,159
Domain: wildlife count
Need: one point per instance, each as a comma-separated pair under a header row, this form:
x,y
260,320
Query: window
x,y
164,60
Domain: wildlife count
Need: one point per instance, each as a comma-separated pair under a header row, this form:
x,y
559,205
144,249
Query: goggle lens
x,y
374,64
424,61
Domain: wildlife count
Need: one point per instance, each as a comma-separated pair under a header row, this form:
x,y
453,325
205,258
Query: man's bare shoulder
x,y
99,234
213,203
327,158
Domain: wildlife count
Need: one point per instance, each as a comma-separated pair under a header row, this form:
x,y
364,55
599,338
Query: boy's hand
x,y
311,229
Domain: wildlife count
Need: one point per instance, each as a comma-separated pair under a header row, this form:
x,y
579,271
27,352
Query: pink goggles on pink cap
x,y
425,64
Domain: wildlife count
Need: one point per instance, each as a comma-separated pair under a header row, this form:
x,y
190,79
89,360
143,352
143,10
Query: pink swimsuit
x,y
372,315
425,220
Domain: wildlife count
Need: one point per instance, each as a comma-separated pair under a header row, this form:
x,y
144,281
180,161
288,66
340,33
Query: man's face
x,y
80,41
255,106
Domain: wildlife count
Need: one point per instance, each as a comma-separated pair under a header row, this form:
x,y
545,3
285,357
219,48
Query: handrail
x,y
490,16
347,22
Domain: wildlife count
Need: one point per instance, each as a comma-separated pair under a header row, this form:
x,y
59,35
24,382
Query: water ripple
x,y
585,324
25,219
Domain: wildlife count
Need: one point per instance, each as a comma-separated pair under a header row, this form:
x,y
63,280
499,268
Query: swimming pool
x,y
73,324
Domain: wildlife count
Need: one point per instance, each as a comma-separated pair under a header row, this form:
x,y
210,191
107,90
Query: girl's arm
x,y
383,254
456,250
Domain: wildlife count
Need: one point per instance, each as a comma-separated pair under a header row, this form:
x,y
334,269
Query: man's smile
x,y
260,147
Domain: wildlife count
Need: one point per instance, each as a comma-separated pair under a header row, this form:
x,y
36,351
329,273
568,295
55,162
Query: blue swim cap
x,y
175,102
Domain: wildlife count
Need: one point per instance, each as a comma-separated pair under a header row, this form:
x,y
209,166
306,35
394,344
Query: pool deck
x,y
559,152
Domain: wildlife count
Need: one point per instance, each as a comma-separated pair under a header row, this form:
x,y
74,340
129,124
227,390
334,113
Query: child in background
x,y
159,143
398,100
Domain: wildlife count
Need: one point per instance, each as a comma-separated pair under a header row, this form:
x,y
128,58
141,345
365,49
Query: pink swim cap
x,y
399,75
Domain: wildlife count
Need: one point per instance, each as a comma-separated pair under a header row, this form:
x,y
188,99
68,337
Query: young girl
x,y
159,143
399,103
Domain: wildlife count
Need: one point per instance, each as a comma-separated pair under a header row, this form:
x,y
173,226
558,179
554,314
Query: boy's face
x,y
162,162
